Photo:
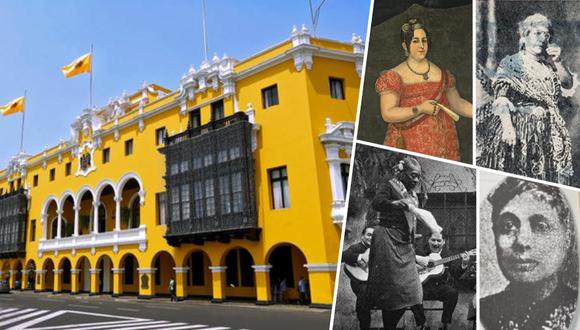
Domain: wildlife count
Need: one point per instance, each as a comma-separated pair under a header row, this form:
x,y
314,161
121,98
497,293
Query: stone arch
x,y
126,178
47,202
82,191
198,281
240,276
48,267
63,198
287,261
130,264
105,283
163,263
65,265
83,264
102,185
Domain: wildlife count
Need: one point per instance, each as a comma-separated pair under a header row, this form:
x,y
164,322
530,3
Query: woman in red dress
x,y
412,95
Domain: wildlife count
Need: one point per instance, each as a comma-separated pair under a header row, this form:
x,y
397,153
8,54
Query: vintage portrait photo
x,y
529,257
527,65
417,93
409,258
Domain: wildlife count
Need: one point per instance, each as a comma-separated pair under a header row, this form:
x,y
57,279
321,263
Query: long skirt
x,y
393,278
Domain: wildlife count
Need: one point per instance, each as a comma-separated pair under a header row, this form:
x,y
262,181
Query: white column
x,y
96,217
118,200
59,224
76,229
44,220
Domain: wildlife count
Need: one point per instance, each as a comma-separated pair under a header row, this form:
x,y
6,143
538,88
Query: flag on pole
x,y
78,66
14,106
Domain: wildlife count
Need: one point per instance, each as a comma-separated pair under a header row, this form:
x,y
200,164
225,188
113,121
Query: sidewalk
x,y
166,301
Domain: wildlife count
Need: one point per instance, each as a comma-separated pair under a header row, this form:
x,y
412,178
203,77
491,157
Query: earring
x,y
406,53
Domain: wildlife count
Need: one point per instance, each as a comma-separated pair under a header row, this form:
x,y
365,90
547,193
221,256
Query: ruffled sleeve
x,y
389,81
450,80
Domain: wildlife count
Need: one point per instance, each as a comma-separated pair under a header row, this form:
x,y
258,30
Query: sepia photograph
x,y
527,65
529,257
417,92
409,258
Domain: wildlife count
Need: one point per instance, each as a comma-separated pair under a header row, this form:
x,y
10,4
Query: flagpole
x,y
22,128
91,81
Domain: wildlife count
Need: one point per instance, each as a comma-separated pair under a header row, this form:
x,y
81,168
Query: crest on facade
x,y
86,160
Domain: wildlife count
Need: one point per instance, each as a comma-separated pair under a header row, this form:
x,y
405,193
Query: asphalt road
x,y
27,310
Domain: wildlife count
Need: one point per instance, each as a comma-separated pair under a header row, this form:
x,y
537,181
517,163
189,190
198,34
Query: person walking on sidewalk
x,y
172,289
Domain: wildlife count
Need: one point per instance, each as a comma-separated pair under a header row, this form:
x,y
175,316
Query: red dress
x,y
430,135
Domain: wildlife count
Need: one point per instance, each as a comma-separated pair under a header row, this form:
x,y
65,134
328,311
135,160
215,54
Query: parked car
x,y
4,286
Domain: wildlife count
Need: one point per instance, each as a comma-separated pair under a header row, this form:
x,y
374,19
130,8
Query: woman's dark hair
x,y
553,196
408,31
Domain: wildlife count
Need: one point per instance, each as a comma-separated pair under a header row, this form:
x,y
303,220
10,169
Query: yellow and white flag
x,y
14,106
78,66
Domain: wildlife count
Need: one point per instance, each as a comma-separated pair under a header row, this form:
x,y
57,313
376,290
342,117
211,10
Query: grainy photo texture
x,y
527,116
529,258
408,255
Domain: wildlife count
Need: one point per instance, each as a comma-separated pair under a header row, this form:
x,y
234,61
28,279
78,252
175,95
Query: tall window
x,y
32,230
106,155
67,169
238,202
185,205
344,169
129,147
198,198
195,118
336,88
54,228
217,110
52,174
159,136
135,213
19,183
175,204
225,196
161,199
35,181
209,198
279,187
270,96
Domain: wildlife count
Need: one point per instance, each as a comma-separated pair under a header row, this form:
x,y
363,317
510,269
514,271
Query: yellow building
x,y
230,184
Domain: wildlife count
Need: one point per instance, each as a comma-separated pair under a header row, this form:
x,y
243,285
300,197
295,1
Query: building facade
x,y
230,184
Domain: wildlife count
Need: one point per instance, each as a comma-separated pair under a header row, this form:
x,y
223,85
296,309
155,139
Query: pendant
x,y
426,76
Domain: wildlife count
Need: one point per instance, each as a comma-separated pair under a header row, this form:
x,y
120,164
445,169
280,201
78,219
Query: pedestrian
x,y
172,289
303,290
283,288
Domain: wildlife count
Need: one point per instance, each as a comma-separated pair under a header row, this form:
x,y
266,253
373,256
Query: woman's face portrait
x,y
537,39
530,238
419,45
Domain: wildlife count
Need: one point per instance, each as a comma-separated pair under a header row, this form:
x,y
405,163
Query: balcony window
x,y
209,198
217,110
185,206
270,96
194,119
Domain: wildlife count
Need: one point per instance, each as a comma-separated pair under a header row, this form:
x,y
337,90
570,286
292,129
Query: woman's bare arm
x,y
458,104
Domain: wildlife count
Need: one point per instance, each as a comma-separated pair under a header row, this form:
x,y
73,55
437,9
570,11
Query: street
x,y
27,310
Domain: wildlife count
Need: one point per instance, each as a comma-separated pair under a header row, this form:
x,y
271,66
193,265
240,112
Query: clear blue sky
x,y
134,41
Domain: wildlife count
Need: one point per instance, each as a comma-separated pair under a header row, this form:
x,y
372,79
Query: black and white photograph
x,y
409,258
528,100
529,258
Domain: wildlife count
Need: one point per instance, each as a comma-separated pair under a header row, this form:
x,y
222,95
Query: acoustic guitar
x,y
435,266
358,272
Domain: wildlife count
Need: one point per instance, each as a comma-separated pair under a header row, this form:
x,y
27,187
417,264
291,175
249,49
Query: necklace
x,y
424,74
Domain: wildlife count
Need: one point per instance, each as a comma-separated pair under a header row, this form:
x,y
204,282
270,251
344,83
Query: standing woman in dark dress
x,y
393,283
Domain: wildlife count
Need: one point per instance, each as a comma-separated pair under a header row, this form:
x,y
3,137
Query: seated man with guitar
x,y
437,279
356,259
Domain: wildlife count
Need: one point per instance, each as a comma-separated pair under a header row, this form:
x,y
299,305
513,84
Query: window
x,y
67,169
344,168
175,204
217,110
237,203
106,155
129,147
161,199
12,186
52,174
19,183
32,230
225,197
270,96
198,198
35,181
222,156
159,136
135,221
185,208
1,191
279,186
194,119
184,167
336,88
174,169
209,198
